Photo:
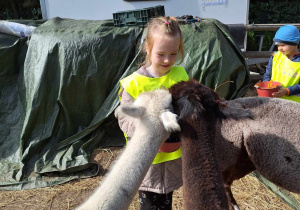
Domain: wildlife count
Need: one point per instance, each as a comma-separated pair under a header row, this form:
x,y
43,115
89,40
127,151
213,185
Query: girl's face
x,y
288,50
163,55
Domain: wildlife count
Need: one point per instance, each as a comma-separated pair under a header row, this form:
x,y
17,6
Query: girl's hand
x,y
281,92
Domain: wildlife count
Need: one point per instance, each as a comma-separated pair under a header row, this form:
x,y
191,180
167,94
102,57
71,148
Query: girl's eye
x,y
174,54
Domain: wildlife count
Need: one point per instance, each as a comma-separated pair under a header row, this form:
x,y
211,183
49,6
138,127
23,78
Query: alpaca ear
x,y
131,110
169,121
236,112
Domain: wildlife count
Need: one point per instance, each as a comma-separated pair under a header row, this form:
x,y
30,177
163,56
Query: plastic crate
x,y
137,17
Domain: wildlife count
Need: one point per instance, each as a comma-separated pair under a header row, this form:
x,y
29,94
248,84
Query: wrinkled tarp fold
x,y
58,91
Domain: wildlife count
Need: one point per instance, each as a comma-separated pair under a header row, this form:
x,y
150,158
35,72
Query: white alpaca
x,y
155,123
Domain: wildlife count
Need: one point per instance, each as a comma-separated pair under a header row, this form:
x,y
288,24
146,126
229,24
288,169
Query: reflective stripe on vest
x,y
286,72
164,156
136,84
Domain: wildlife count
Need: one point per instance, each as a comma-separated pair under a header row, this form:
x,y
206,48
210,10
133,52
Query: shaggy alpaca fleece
x,y
154,123
202,178
270,142
251,134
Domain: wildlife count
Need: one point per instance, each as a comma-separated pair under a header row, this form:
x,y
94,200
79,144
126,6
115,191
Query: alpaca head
x,y
156,105
190,98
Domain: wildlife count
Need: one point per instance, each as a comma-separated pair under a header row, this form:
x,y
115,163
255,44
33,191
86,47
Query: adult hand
x,y
281,92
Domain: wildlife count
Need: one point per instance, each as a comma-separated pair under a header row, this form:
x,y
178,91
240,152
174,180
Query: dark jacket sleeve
x,y
268,73
295,89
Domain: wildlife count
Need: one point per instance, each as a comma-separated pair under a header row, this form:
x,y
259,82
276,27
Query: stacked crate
x,y
137,17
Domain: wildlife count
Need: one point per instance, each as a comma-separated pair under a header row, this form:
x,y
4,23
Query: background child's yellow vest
x,y
286,72
136,84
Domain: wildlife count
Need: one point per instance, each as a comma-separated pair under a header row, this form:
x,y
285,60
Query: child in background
x,y
162,45
284,65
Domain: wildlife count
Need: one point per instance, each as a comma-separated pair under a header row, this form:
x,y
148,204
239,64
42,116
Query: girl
x,y
162,45
284,66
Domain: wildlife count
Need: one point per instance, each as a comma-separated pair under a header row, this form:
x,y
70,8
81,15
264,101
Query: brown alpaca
x,y
249,134
202,178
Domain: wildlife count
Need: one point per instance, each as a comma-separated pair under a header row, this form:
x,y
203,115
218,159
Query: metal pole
x,y
268,27
257,54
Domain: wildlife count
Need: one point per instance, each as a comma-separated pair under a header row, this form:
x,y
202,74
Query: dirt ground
x,y
248,191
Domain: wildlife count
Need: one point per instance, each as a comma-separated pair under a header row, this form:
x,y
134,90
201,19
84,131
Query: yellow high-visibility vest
x,y
136,84
286,72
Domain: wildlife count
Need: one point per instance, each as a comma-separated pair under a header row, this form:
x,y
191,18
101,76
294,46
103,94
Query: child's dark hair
x,y
164,26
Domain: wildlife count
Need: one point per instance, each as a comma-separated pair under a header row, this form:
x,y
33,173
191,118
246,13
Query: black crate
x,y
137,17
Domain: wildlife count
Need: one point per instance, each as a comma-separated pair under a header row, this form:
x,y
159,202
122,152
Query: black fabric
x,y
173,138
155,201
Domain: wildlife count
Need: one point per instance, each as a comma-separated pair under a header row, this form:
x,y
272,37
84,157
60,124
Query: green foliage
x,y
270,12
36,13
20,9
268,39
252,44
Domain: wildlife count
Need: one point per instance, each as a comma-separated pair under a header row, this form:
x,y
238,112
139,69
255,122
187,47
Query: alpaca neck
x,y
202,178
121,184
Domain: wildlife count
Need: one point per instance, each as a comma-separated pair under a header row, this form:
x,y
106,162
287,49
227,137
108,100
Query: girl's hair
x,y
162,26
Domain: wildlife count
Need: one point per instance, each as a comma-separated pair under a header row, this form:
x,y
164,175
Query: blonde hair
x,y
162,26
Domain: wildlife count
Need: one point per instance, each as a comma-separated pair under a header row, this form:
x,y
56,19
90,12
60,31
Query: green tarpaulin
x,y
58,91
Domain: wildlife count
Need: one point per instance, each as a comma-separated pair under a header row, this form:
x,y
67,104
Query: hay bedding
x,y
248,191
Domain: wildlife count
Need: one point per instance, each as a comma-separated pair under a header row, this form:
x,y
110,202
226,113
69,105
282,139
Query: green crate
x,y
137,17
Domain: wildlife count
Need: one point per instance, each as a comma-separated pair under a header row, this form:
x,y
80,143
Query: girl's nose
x,y
166,59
